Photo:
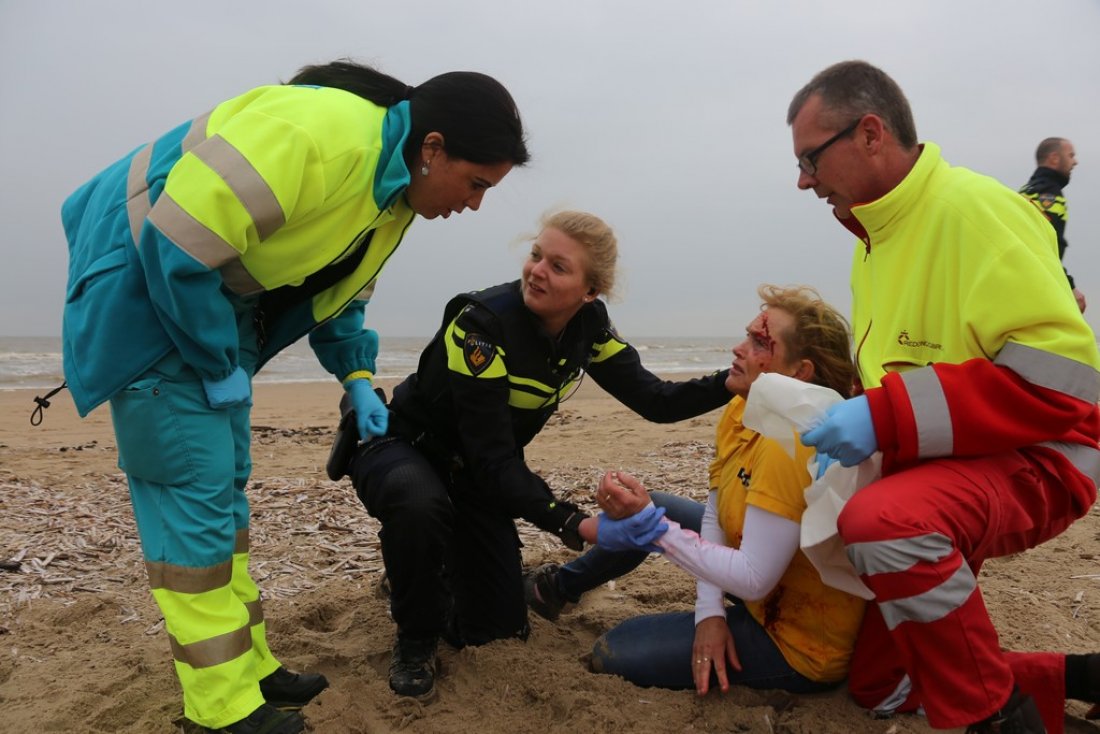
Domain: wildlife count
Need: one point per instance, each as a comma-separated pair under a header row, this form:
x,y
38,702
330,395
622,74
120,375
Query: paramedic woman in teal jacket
x,y
195,259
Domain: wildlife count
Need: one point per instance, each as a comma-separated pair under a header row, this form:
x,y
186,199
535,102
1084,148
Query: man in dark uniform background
x,y
1055,158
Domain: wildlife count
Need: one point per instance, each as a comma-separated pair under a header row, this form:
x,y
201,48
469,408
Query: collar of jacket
x,y
578,322
391,175
506,301
895,205
1046,179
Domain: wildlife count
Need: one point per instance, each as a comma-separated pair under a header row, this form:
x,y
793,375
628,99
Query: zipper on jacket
x,y
340,310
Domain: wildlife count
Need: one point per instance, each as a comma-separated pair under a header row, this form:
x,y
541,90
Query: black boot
x,y
345,443
1083,681
413,667
287,690
544,597
266,720
1019,715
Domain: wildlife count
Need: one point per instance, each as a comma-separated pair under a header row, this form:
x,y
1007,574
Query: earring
x,y
424,169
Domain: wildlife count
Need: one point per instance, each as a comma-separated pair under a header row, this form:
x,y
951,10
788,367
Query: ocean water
x,y
35,362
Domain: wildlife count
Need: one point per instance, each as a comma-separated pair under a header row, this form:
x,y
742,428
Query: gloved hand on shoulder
x,y
230,391
847,433
372,417
637,532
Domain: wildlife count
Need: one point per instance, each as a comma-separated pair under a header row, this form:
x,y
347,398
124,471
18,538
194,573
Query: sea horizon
x,y
34,362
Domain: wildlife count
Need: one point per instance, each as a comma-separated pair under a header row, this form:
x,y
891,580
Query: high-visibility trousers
x,y
187,466
918,539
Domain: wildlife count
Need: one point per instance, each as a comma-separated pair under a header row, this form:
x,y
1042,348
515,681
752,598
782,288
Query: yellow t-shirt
x,y
814,625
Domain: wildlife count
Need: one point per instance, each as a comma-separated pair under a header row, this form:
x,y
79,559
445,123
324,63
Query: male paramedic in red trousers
x,y
980,387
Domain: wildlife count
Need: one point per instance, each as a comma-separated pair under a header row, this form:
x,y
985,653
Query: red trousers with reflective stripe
x,y
876,672
986,507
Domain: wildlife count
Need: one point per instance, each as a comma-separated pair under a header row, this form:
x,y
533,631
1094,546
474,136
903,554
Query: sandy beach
x,y
82,647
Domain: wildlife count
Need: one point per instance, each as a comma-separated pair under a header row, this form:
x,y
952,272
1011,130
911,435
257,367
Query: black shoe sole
x,y
291,705
426,697
288,706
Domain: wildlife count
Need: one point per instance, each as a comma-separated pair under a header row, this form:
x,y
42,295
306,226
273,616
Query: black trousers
x,y
452,560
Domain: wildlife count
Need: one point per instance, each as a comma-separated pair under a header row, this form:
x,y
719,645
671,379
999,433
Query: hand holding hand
x,y
847,433
637,532
713,647
230,391
372,418
621,495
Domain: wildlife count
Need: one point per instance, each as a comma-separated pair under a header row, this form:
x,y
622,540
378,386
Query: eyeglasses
x,y
808,161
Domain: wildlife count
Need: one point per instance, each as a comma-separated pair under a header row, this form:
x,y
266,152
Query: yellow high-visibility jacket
x,y
260,201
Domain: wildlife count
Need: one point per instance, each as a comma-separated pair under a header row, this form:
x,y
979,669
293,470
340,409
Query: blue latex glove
x,y
824,461
847,433
637,532
371,415
233,390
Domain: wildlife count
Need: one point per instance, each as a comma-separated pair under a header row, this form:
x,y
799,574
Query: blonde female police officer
x,y
450,475
194,260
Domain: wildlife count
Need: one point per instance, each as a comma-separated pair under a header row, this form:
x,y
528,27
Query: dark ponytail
x,y
368,83
474,113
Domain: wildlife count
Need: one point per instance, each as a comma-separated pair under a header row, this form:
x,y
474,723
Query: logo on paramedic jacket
x,y
1046,200
907,341
478,353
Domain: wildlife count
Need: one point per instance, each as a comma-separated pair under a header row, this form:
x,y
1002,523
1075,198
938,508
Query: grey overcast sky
x,y
665,118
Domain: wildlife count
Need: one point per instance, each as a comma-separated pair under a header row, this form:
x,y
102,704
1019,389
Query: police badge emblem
x,y
478,353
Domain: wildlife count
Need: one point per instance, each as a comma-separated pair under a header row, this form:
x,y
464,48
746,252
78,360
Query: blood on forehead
x,y
763,332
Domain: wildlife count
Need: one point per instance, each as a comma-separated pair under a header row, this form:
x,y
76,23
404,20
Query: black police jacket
x,y
491,377
1044,188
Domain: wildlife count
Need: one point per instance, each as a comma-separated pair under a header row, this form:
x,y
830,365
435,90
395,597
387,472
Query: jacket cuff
x,y
357,375
882,416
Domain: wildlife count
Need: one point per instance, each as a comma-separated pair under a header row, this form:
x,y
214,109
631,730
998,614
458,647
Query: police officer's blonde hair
x,y
599,243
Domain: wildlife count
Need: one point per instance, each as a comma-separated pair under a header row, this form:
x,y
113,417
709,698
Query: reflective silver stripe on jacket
x,y
184,230
368,291
251,189
1085,459
196,134
137,191
1051,371
901,554
238,279
935,436
137,183
190,235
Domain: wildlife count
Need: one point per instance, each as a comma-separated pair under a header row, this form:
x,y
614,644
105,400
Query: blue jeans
x,y
656,650
598,566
